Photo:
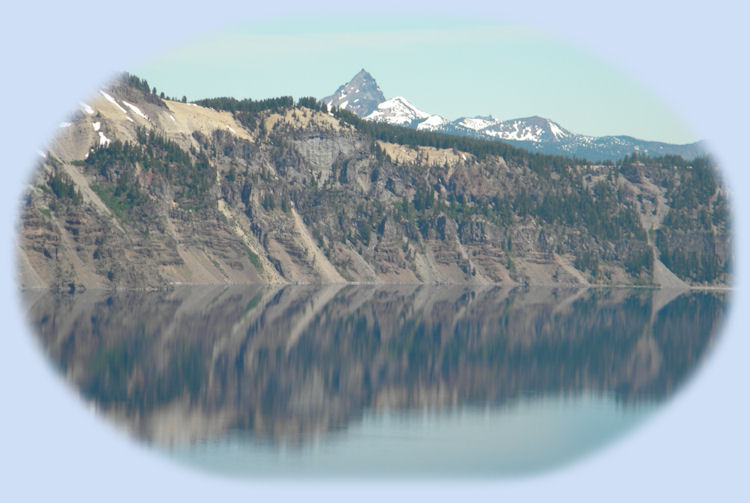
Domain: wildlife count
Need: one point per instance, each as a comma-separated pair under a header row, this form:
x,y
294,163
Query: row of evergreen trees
x,y
150,93
247,105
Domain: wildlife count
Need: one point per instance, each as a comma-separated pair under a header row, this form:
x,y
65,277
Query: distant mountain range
x,y
363,97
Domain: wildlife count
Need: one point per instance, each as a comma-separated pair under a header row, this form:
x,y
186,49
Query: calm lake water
x,y
386,381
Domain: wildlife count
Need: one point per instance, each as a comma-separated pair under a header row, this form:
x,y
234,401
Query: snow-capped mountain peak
x,y
433,122
532,129
400,112
535,129
361,95
397,111
476,123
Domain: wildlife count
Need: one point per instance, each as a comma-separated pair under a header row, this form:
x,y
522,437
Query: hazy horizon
x,y
446,67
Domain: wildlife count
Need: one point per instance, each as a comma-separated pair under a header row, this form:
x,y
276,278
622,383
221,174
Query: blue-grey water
x,y
529,436
396,380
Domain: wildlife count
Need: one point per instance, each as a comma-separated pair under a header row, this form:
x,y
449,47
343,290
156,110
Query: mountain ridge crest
x,y
534,133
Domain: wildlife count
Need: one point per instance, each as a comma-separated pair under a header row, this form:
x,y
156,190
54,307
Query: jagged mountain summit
x,y
361,95
537,134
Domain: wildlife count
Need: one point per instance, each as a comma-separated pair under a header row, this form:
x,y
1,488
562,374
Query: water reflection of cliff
x,y
285,362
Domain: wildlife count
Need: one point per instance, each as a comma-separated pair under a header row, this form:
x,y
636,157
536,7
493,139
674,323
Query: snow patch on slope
x,y
397,111
476,123
557,132
135,109
431,123
103,140
113,101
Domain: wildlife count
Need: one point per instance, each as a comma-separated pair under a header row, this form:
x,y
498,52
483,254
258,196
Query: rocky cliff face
x,y
141,192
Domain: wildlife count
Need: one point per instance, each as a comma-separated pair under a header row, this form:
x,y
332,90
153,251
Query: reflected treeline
x,y
285,362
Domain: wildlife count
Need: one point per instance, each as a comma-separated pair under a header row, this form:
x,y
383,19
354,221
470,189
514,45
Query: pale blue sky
x,y
448,67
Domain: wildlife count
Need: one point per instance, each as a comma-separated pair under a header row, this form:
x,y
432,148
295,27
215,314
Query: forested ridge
x,y
382,202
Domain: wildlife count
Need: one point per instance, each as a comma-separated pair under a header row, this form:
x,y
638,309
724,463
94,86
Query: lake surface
x,y
397,380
